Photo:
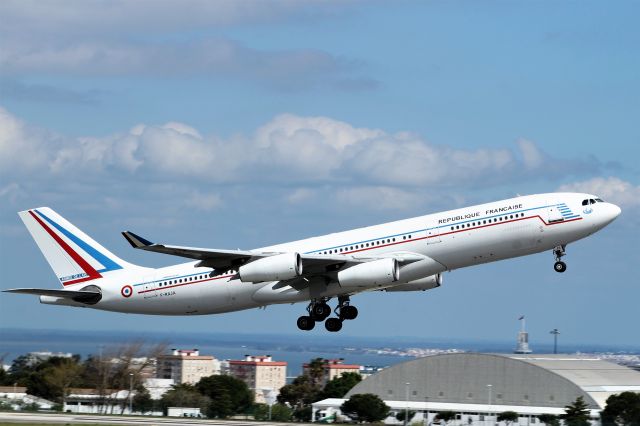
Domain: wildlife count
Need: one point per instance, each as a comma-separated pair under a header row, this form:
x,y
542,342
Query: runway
x,y
68,418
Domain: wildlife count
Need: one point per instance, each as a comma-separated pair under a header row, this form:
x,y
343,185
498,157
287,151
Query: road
x,y
69,418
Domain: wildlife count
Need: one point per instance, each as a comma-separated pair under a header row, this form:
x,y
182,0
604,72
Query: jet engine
x,y
419,285
273,268
374,273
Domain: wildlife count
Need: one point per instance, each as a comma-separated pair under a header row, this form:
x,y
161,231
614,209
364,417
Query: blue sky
x,y
246,123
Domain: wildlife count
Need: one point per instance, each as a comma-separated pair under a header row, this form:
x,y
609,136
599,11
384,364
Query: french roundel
x,y
126,291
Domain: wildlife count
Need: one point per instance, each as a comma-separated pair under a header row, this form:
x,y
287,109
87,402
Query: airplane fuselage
x,y
450,240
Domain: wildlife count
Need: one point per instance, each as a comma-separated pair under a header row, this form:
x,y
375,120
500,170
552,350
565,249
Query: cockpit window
x,y
585,202
592,201
599,200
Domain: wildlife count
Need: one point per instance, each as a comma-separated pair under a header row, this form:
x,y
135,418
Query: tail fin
x,y
73,255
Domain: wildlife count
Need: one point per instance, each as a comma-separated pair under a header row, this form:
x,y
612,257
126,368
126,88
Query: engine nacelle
x,y
369,274
419,285
273,268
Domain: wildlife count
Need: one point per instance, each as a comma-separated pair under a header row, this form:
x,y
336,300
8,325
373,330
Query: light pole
x,y
555,333
489,388
406,405
130,393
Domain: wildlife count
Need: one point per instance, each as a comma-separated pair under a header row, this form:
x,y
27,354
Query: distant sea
x,y
295,349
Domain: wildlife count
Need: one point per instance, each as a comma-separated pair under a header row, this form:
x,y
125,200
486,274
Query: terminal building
x,y
478,387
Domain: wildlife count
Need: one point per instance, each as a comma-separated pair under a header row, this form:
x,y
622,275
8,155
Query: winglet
x,y
136,241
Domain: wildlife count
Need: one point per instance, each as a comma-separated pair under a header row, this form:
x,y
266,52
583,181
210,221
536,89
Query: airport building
x,y
186,366
478,387
261,373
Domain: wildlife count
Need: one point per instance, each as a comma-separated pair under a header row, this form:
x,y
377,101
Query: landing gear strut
x,y
319,310
558,252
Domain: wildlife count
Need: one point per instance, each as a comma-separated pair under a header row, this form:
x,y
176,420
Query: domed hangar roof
x,y
519,380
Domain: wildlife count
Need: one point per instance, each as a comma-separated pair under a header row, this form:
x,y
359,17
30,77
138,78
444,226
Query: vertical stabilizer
x,y
73,255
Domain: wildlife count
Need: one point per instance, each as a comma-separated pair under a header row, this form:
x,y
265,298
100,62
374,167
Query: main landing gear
x,y
318,311
558,252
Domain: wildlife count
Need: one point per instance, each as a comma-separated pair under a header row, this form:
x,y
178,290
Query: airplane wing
x,y
314,264
218,259
81,296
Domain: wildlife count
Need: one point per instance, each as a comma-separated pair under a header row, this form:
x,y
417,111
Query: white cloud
x,y
203,201
610,189
300,195
288,149
219,57
165,39
126,17
379,198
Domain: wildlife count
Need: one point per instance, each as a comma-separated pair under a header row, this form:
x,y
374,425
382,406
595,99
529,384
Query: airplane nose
x,y
612,212
615,211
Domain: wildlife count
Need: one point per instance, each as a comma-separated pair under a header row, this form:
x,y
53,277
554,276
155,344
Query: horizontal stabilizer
x,y
88,297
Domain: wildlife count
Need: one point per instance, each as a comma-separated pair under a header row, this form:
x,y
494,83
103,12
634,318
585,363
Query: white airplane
x,y
406,255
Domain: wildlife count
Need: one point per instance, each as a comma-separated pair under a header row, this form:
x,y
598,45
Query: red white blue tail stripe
x,y
85,262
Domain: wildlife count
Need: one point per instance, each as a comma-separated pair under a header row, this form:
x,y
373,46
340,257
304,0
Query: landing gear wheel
x,y
333,324
306,323
320,311
348,312
560,266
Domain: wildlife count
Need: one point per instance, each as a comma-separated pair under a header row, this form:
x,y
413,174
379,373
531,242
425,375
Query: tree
x,y
111,370
279,412
300,393
315,370
48,379
576,413
184,396
339,386
549,419
508,417
446,416
61,377
303,414
228,395
365,407
622,409
142,401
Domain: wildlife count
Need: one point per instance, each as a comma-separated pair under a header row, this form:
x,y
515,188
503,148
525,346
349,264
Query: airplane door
x,y
554,214
433,236
150,288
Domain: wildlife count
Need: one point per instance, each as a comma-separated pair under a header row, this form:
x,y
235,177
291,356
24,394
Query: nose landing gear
x,y
559,266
